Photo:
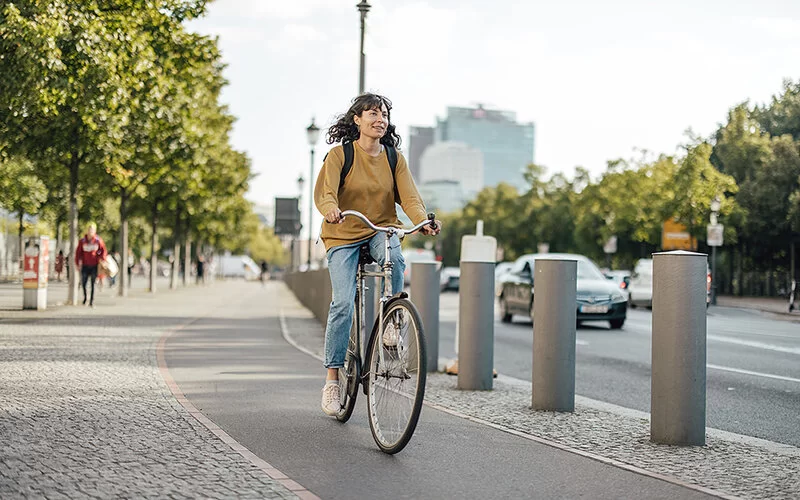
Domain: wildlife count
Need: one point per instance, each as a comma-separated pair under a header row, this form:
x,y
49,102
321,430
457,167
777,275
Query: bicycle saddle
x,y
364,257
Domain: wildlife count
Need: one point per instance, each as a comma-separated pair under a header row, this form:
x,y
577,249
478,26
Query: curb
x,y
273,473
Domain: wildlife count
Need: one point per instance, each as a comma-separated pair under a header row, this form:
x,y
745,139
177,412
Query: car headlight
x,y
617,297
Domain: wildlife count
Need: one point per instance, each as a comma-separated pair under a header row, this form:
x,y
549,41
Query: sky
x,y
600,79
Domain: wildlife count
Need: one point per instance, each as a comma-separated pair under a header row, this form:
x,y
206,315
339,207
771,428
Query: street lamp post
x,y
715,206
363,7
313,136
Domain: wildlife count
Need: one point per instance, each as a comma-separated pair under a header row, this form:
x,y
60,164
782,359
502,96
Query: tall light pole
x,y
313,136
363,7
715,206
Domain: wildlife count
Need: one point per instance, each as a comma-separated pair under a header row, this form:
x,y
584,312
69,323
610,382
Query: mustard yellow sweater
x,y
368,188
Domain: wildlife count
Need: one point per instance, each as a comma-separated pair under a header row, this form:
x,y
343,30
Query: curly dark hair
x,y
345,129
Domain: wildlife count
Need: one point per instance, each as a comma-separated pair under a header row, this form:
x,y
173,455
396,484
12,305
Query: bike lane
x,y
238,370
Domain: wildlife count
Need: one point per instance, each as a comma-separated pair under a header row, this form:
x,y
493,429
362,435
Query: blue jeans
x,y
343,267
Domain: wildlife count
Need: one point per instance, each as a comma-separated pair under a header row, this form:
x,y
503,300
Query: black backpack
x,y
349,154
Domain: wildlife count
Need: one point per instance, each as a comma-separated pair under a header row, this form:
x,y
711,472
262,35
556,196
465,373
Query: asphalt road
x,y
238,370
753,375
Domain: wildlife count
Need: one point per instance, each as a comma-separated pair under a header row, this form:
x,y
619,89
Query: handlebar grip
x,y
432,218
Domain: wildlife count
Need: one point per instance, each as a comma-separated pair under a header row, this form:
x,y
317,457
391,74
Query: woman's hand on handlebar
x,y
430,231
334,216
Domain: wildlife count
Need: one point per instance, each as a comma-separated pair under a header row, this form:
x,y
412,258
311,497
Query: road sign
x,y
675,236
611,245
715,232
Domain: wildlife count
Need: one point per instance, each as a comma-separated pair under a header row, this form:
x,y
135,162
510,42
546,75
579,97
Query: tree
x,y
21,191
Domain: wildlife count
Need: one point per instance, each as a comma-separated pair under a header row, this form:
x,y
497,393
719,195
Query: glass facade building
x,y
507,146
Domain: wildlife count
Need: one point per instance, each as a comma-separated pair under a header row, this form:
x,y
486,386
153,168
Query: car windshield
x,y
586,270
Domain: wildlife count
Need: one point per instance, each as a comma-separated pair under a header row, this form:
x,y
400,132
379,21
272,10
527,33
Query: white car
x,y
500,272
640,289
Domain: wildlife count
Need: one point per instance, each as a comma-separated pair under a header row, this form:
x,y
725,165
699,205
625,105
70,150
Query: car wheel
x,y
616,324
505,316
530,311
630,302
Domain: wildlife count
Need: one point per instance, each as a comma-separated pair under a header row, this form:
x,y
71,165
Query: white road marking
x,y
752,343
581,342
755,374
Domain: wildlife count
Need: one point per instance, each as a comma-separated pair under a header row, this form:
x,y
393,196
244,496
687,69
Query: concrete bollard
x,y
554,312
678,382
425,294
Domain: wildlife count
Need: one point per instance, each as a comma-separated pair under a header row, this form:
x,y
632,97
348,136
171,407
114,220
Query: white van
x,y
640,289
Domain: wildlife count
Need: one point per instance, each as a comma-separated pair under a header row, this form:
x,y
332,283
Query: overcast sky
x,y
599,78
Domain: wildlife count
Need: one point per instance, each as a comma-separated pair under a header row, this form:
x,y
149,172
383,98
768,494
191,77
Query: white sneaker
x,y
331,399
390,336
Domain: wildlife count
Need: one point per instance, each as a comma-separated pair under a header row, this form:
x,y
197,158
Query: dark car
x,y
599,299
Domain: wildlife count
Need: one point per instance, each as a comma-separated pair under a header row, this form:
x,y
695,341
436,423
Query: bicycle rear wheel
x,y
396,386
349,374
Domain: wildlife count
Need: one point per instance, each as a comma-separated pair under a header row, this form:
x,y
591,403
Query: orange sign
x,y
675,236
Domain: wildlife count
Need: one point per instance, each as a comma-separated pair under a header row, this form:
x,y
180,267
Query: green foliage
x,y
21,191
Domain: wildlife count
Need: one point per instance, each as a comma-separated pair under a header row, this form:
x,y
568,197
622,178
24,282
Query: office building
x,y
507,146
419,138
453,161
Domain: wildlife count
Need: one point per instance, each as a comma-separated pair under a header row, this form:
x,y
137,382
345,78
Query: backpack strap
x,y
349,154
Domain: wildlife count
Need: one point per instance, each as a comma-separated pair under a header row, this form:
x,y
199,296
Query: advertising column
x,y
34,277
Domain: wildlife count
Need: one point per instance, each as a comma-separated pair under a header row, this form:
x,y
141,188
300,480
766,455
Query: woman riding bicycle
x,y
371,188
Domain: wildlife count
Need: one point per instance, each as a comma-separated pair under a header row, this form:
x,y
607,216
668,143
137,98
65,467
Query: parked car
x,y
449,278
416,255
640,289
500,271
598,299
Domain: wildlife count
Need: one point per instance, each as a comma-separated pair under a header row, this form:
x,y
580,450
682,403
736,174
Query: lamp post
x,y
313,136
714,243
363,7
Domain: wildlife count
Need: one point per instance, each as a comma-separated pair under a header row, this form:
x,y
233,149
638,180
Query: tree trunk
x,y
21,243
123,245
187,253
72,296
740,270
176,250
153,245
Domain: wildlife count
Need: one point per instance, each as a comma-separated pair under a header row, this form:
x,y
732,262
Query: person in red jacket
x,y
91,250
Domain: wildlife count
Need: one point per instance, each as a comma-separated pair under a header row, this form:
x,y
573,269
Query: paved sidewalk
x,y
85,412
735,465
773,305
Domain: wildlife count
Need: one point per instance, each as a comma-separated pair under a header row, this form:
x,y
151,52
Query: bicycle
x,y
395,358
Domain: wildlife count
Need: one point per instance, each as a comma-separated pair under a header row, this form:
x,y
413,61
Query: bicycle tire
x,y
399,384
350,373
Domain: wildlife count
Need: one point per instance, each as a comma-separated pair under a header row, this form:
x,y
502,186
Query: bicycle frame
x,y
385,273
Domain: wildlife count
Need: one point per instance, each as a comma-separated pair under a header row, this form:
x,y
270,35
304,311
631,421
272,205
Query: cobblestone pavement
x,y
736,465
85,412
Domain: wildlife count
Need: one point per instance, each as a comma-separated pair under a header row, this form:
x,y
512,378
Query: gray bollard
x,y
476,326
678,383
554,312
425,294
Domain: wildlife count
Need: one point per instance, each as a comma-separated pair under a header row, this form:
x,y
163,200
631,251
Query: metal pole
x,y
425,294
713,275
476,325
554,326
678,381
310,206
362,7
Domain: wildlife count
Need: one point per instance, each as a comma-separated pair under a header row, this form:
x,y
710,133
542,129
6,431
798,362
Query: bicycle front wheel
x,y
396,380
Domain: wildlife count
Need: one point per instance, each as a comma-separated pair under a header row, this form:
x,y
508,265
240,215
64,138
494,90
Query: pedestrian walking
x,y
264,271
368,174
131,264
91,250
59,264
200,269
